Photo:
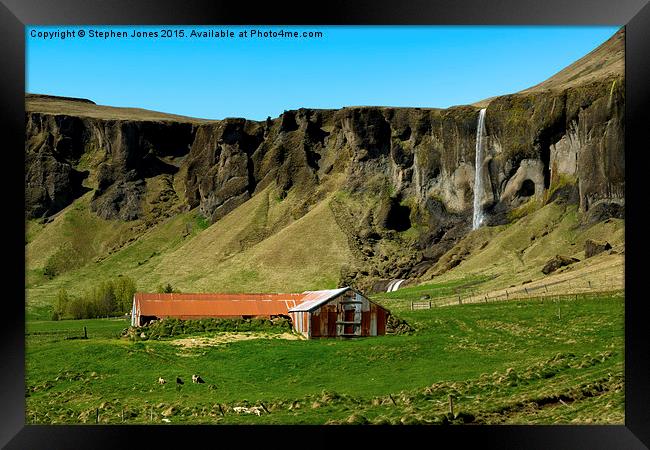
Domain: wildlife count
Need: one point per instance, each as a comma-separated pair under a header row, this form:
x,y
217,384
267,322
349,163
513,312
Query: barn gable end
x,y
338,313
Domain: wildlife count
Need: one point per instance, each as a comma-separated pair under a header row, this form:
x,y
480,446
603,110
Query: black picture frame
x,y
634,14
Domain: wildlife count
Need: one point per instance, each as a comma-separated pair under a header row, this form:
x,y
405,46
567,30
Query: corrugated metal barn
x,y
147,307
329,313
338,313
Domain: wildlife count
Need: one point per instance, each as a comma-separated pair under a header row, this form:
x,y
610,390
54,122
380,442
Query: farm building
x,y
328,313
147,307
338,313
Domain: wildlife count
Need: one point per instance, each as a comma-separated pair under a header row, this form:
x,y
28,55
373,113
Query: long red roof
x,y
186,305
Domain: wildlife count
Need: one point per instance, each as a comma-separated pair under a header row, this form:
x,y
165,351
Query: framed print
x,y
383,221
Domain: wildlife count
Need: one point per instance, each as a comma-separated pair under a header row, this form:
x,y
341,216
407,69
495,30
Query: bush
x,y
79,308
109,298
176,327
167,289
60,305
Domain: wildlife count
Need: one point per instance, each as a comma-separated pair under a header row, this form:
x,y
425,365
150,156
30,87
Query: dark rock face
x,y
593,248
394,216
556,262
66,156
219,167
555,140
604,210
52,148
120,201
568,142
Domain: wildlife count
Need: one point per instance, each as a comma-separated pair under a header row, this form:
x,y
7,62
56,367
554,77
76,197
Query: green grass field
x,y
528,361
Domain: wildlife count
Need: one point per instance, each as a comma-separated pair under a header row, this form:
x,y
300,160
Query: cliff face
x,y
541,145
69,155
538,138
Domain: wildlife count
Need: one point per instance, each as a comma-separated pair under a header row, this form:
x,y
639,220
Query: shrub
x,y
60,304
167,289
176,327
109,298
79,308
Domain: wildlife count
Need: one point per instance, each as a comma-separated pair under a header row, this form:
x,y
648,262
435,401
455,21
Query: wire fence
x,y
570,288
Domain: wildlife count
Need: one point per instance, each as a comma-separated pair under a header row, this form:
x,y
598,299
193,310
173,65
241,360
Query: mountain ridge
x,y
399,181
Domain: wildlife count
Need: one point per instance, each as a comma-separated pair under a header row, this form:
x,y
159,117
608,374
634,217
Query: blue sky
x,y
423,66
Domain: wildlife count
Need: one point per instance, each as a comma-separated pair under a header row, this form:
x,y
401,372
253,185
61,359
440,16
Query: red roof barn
x,y
328,313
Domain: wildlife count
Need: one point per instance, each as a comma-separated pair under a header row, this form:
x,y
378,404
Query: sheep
x,y
252,410
197,379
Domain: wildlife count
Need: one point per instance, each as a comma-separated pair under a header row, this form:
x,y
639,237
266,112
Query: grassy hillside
x,y
604,61
85,108
512,254
259,247
128,259
508,362
305,254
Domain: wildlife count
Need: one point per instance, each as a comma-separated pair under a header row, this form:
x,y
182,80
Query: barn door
x,y
350,318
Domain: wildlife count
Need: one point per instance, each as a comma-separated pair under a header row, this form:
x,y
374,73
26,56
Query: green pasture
x,y
527,361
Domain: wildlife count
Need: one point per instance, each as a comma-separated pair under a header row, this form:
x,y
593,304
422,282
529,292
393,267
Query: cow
x,y
161,380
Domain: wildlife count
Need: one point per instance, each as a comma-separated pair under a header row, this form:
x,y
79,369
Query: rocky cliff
x,y
560,141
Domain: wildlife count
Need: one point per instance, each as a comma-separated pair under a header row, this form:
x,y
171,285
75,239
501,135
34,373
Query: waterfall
x,y
394,285
477,217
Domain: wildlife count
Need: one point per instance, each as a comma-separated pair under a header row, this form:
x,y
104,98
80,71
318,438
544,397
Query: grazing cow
x,y
161,380
197,379
179,381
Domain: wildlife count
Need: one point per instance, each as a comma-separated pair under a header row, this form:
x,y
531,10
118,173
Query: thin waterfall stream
x,y
477,217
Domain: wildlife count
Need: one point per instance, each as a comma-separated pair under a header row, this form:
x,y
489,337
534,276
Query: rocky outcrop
x,y
556,262
52,148
66,156
219,168
592,248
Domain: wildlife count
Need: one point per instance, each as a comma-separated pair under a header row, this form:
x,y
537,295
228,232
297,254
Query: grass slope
x,y
258,247
511,254
129,259
305,254
48,104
